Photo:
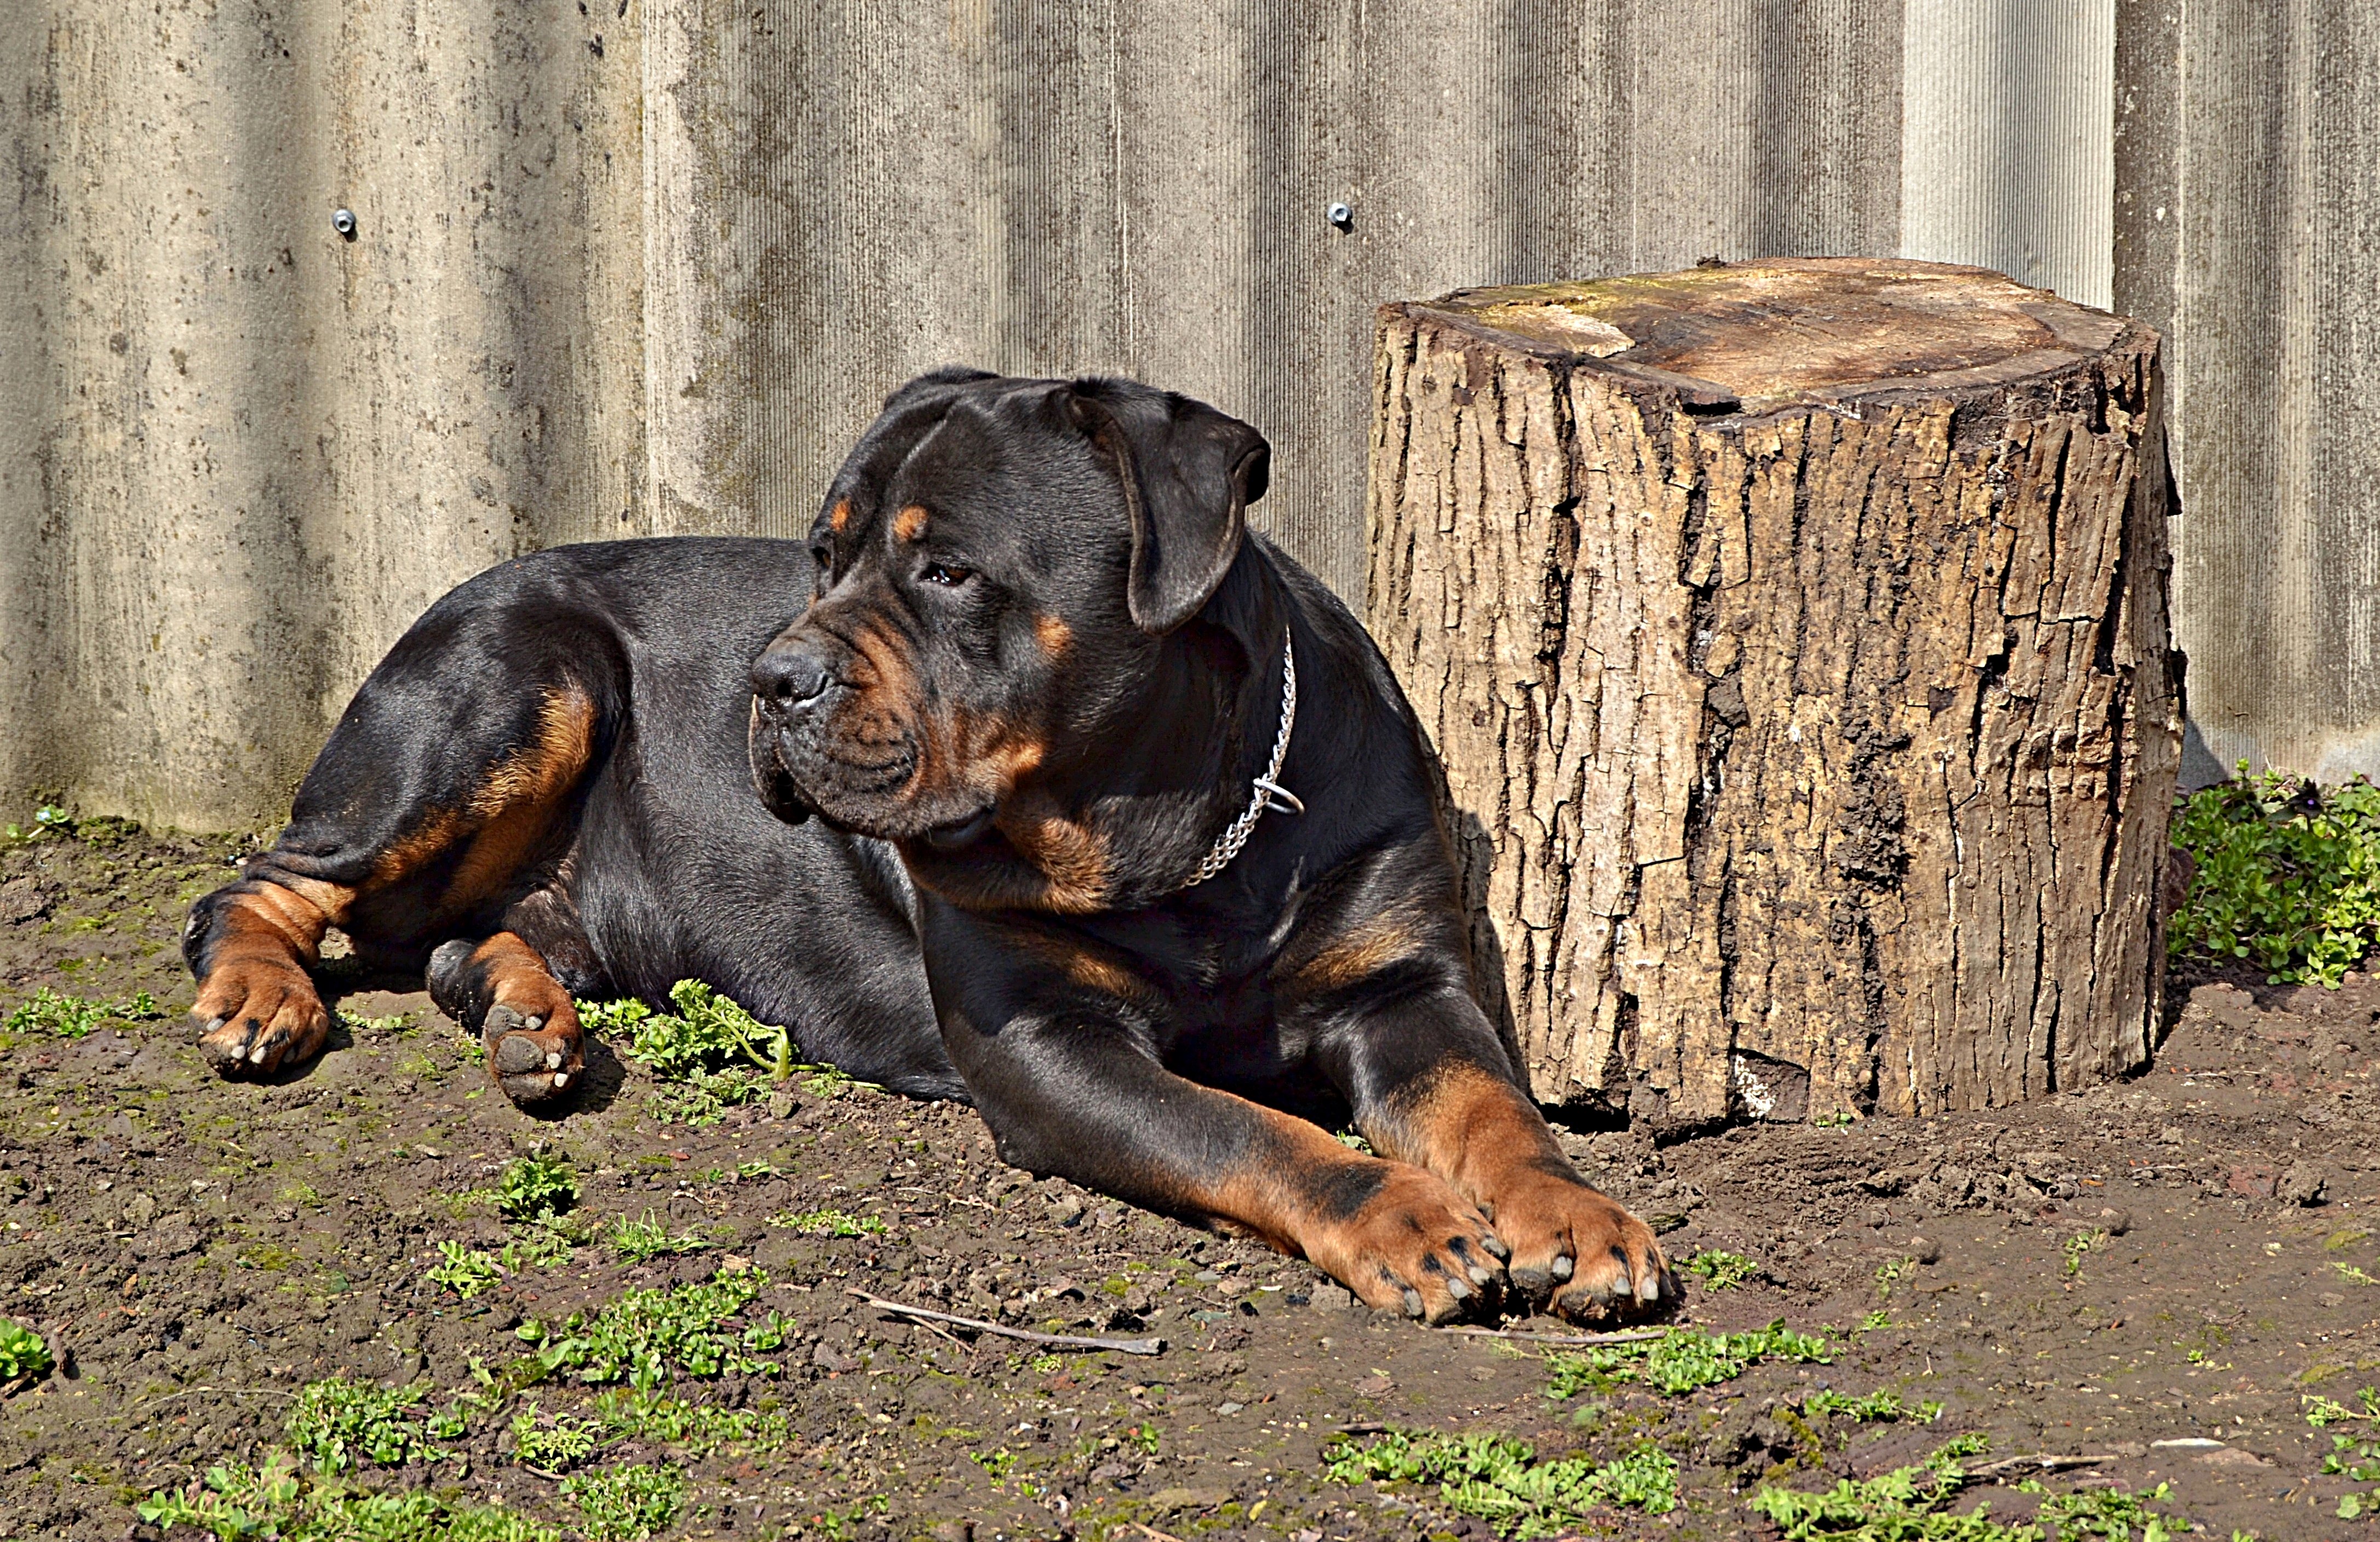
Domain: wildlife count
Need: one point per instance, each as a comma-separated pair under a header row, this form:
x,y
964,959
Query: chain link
x,y
1228,844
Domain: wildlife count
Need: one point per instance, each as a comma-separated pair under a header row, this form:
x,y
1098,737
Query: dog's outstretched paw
x,y
1581,1252
254,1019
1416,1247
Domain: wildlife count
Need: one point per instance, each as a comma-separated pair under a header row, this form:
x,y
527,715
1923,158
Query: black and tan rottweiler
x,y
1030,779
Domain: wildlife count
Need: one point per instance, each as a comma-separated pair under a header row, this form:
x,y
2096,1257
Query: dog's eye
x,y
945,575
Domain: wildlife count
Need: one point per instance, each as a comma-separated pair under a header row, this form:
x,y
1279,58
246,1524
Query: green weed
x,y
23,1354
628,1503
64,1016
1721,1271
1910,1504
239,1503
1498,1479
466,1271
2108,1514
340,1424
1680,1360
700,1429
47,818
645,1237
2288,879
647,1335
555,1444
2352,1457
1876,1408
713,1052
2076,1247
829,1223
538,1188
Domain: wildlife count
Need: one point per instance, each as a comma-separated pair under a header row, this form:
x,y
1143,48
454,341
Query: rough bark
x,y
1795,637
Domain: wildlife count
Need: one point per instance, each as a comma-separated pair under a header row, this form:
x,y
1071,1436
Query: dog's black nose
x,y
790,675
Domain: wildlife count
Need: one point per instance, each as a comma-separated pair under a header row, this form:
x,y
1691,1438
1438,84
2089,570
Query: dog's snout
x,y
790,675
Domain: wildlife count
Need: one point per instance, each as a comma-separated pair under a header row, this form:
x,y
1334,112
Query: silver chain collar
x,y
1268,793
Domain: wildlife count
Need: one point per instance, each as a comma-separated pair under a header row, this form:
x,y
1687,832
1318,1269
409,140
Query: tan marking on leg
x,y
1410,1230
1468,1126
910,523
526,1063
262,942
840,518
1352,956
519,801
1488,1142
1084,963
408,854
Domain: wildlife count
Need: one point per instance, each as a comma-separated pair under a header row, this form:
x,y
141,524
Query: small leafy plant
x,y
342,1424
555,1444
642,1238
64,1016
1885,1407
2076,1248
2354,1457
1680,1360
829,1223
646,1336
2288,875
1499,1479
23,1354
626,1503
1721,1271
699,1427
239,1503
538,1188
713,1054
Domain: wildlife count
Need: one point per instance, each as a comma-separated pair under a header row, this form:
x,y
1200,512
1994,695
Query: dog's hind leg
x,y
443,802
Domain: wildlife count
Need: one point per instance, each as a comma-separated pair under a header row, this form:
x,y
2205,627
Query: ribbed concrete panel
x,y
2263,257
239,454
2007,156
650,267
842,197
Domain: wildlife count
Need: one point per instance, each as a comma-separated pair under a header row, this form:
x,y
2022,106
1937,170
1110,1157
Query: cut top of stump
x,y
1753,337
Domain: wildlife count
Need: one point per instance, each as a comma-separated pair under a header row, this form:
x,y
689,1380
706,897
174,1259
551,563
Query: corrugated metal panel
x,y
2007,148
652,268
1140,188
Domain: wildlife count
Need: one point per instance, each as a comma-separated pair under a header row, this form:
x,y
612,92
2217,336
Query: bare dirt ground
x,y
2180,1257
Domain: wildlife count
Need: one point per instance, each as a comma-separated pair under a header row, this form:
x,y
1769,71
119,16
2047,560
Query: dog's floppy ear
x,y
1189,475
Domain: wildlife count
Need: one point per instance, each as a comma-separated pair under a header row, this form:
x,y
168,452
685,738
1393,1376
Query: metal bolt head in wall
x,y
1340,215
344,222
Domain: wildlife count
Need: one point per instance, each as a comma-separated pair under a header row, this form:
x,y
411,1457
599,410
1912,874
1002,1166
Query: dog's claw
x,y
1413,1302
1562,1268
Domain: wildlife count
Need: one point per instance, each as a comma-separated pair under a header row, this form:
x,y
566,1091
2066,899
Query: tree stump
x,y
1793,634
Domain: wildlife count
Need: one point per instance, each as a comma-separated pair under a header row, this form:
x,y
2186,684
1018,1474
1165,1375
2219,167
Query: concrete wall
x,y
646,265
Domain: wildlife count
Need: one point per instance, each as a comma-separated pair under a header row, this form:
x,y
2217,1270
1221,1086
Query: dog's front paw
x,y
1580,1250
1414,1246
256,1016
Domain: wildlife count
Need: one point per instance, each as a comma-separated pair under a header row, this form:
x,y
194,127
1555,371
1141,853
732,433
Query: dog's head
x,y
1000,563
